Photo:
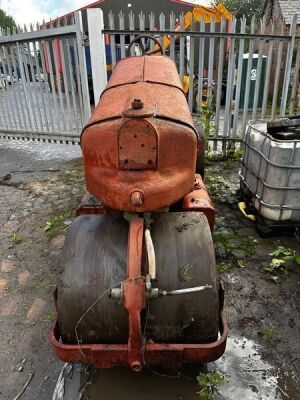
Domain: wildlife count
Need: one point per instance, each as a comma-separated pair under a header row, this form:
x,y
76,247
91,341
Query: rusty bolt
x,y
137,104
136,366
137,198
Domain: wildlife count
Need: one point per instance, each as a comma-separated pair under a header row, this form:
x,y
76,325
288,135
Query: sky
x,y
32,11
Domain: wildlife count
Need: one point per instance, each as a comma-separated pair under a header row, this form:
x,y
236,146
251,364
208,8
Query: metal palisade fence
x,y
43,82
232,70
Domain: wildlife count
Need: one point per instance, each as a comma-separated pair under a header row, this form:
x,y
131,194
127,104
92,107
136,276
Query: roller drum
x,y
94,260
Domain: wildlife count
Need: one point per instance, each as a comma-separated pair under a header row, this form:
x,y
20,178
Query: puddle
x,y
250,378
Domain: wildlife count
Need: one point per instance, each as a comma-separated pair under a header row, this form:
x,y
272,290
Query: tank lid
x,y
137,110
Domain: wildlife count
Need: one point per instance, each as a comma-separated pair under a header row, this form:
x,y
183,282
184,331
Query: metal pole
x,y
181,50
212,26
288,66
226,128
219,83
112,39
50,111
24,83
72,81
200,65
162,21
248,80
172,38
191,71
277,76
259,68
268,75
131,27
97,49
239,80
122,37
82,67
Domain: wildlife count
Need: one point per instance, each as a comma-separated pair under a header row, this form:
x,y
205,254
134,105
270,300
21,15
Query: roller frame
x,y
135,353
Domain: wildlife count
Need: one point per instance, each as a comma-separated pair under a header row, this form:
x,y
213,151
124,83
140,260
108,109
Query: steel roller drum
x,y
94,259
185,258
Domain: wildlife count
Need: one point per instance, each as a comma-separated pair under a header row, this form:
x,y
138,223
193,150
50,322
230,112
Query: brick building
x,y
279,13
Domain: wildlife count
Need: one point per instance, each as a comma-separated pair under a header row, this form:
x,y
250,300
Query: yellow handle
x,y
242,207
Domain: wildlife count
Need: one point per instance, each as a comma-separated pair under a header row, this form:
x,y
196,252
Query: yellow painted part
x,y
242,207
185,83
197,14
223,10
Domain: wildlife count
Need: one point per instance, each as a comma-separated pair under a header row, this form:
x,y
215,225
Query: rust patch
x,y
199,200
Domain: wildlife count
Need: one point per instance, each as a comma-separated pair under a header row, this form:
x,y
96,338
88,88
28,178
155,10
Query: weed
x,y
48,318
206,118
232,157
219,190
227,244
223,241
184,273
269,333
287,253
56,223
52,223
210,383
247,244
230,154
223,267
16,239
284,259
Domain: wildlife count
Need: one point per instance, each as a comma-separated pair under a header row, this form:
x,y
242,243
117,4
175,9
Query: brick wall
x,y
272,12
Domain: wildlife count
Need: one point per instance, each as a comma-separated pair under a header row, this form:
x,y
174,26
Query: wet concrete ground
x,y
48,179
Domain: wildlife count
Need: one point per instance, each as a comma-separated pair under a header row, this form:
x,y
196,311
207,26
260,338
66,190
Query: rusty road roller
x,y
138,284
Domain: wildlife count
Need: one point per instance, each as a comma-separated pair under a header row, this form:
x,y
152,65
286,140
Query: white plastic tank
x,y
271,171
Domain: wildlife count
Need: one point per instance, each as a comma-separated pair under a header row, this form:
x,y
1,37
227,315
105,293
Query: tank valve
x,y
137,198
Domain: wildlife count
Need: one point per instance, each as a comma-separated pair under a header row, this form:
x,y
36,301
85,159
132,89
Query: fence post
x,y
191,54
229,86
288,66
82,67
25,87
97,49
